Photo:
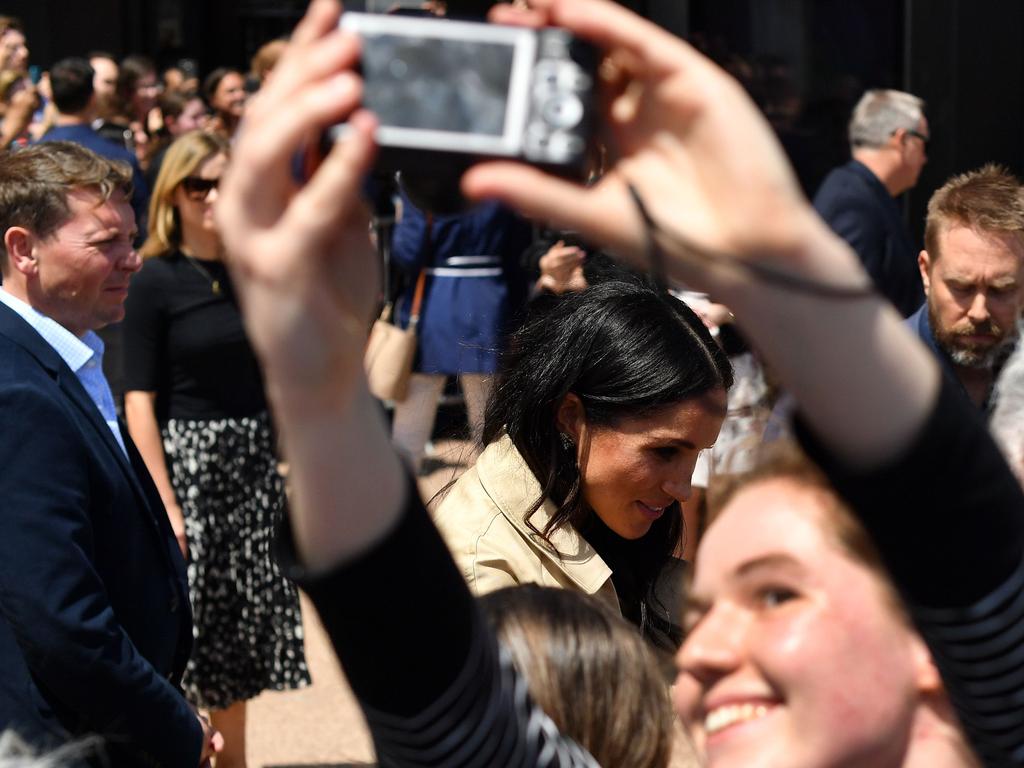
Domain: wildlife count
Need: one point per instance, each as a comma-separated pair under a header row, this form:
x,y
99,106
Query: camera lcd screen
x,y
458,86
451,86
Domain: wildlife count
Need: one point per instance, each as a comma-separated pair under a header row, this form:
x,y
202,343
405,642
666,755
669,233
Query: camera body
x,y
448,93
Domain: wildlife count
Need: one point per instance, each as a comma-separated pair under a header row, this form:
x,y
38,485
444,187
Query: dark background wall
x,y
966,58
805,61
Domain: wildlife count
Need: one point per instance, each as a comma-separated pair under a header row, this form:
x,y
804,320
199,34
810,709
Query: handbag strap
x,y
421,280
417,299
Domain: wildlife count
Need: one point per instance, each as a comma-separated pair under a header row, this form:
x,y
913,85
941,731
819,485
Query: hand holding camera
x,y
684,135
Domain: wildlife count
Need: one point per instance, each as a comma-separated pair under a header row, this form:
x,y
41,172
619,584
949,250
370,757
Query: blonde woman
x,y
195,407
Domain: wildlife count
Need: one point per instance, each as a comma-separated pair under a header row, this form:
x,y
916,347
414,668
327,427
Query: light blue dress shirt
x,y
84,356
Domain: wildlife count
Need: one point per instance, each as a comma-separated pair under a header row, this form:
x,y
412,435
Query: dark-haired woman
x,y
591,436
125,119
224,91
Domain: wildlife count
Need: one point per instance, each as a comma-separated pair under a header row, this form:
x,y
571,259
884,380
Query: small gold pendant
x,y
216,287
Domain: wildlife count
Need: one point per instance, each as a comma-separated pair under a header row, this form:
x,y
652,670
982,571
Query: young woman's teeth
x,y
723,717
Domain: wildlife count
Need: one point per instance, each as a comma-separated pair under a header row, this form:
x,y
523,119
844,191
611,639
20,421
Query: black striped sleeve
x,y
948,520
980,650
433,685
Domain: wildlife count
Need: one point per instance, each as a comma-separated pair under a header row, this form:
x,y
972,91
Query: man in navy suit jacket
x,y
95,624
888,137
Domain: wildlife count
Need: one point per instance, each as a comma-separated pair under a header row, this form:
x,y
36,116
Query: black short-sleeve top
x,y
186,342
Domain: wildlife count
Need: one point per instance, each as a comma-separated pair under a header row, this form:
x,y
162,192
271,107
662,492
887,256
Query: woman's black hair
x,y
625,350
212,82
132,69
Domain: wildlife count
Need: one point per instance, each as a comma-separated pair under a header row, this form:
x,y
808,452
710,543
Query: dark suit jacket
x,y
95,624
858,208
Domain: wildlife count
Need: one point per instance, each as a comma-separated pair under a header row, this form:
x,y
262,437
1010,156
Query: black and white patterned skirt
x,y
247,621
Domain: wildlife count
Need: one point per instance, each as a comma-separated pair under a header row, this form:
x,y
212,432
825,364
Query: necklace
x,y
214,283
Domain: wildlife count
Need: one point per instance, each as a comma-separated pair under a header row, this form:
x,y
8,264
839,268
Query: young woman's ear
x,y
926,674
570,417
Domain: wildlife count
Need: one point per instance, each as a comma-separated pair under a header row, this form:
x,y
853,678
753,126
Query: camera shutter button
x,y
564,111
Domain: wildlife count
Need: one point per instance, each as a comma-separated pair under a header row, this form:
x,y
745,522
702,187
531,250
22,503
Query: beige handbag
x,y
391,350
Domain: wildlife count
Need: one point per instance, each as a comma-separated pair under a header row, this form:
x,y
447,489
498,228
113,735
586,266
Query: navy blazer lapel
x,y
15,328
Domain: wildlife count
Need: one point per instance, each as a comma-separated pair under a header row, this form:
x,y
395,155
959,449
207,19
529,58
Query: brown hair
x,y
8,23
35,181
173,103
783,460
184,155
589,670
989,199
266,58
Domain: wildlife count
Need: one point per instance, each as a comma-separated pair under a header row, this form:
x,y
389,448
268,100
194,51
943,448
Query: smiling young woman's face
x,y
795,654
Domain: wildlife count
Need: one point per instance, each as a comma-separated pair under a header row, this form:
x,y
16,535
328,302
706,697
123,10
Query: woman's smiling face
x,y
632,472
795,653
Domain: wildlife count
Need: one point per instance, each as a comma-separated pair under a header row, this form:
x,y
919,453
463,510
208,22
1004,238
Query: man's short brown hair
x,y
8,23
989,199
35,181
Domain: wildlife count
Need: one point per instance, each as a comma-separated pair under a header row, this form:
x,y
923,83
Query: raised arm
x,y
364,547
710,172
906,452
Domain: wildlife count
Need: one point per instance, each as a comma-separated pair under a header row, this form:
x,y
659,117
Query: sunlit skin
x,y
193,117
104,81
795,655
196,216
13,51
147,91
632,471
79,275
975,288
229,98
915,152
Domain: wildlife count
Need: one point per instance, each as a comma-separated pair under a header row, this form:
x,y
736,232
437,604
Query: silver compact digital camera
x,y
446,90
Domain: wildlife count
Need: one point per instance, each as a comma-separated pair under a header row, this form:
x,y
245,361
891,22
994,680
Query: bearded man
x,y
973,274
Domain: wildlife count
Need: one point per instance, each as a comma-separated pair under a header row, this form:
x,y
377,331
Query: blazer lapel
x,y
73,388
23,334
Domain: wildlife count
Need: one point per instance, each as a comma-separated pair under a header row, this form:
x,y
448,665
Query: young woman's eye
x,y
771,597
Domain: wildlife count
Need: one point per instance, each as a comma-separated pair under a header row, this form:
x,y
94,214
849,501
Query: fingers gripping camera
x,y
455,92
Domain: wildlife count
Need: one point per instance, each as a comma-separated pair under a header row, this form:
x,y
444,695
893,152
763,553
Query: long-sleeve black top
x,y
947,517
948,520
432,682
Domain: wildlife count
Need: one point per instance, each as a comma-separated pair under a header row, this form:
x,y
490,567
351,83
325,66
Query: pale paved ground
x,y
320,725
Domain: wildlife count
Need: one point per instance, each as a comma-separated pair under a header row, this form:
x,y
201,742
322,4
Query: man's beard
x,y
953,342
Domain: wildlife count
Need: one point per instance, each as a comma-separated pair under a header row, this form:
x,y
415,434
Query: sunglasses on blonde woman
x,y
197,188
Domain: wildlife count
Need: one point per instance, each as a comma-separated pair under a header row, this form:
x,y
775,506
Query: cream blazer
x,y
481,519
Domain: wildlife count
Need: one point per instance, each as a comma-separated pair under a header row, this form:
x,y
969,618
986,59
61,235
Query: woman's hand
x,y
299,255
18,116
686,136
308,284
561,269
709,170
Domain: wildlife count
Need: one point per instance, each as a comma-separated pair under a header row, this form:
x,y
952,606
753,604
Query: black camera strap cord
x,y
764,273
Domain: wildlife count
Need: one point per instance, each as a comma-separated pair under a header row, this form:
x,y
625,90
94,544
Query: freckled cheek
x,y
834,672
